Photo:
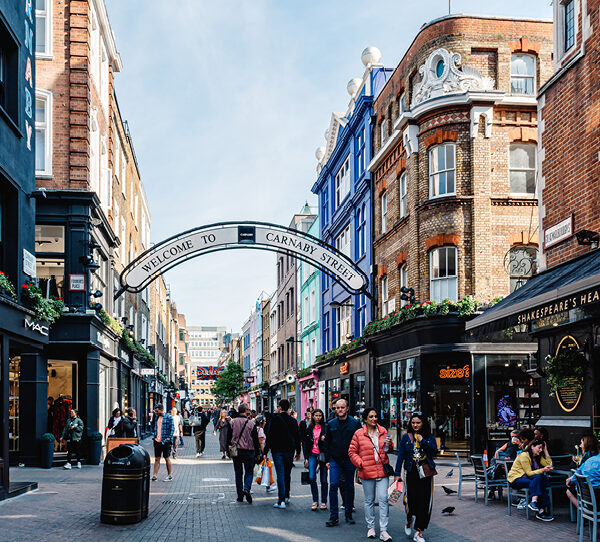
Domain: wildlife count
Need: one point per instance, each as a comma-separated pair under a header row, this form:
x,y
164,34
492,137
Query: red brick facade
x,y
482,219
570,134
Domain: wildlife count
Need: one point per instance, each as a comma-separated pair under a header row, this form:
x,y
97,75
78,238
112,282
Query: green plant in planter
x,y
47,437
567,368
46,309
94,435
6,286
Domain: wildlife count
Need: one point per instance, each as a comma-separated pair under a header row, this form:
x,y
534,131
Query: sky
x,y
228,100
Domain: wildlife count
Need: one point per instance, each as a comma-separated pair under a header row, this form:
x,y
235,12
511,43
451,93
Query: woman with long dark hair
x,y
416,451
313,447
368,452
528,471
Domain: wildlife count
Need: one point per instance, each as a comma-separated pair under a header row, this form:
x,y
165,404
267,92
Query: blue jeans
x,y
243,480
313,463
283,462
336,468
379,486
537,484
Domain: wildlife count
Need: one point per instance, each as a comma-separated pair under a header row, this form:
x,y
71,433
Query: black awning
x,y
571,285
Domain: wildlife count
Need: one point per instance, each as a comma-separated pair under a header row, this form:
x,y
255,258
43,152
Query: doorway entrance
x,y
452,416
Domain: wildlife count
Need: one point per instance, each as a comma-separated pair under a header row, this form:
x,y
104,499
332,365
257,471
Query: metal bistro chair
x,y
522,493
462,476
482,480
588,507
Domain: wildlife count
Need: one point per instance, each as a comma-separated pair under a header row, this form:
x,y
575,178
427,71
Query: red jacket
x,y
362,453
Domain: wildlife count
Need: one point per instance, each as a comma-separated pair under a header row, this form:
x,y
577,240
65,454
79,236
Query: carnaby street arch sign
x,y
235,235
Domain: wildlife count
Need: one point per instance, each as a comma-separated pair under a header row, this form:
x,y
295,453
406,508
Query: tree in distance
x,y
230,383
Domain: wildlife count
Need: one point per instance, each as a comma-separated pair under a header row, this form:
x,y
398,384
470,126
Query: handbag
x,y
388,470
425,470
233,449
304,480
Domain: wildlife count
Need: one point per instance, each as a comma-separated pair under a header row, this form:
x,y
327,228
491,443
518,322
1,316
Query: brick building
x,y
561,306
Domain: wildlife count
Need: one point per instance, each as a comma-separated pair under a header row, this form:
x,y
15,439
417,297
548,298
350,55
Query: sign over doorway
x,y
234,235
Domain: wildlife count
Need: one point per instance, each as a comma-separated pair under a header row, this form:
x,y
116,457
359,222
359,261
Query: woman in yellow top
x,y
529,471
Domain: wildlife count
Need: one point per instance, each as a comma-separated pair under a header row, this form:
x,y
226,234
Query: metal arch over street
x,y
235,235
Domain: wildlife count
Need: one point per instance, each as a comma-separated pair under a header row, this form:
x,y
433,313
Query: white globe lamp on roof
x,y
371,55
353,85
319,153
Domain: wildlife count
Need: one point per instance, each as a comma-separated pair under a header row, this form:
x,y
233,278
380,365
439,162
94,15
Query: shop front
x,y
560,308
309,391
346,378
458,386
276,394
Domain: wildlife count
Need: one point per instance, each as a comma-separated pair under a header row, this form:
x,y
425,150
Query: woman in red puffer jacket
x,y
368,452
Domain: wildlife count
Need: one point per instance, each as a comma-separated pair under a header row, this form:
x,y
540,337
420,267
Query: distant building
x,y
205,346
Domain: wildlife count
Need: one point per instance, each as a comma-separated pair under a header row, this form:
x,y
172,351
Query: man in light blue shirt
x,y
591,469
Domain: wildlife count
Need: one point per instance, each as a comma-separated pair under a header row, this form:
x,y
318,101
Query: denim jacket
x,y
406,450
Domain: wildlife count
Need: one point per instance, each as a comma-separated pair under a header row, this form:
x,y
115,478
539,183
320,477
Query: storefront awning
x,y
574,284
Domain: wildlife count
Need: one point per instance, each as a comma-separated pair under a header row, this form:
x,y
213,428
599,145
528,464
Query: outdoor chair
x,y
521,493
462,476
588,507
482,480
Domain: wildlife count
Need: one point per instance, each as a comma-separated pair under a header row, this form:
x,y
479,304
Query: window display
x,y
14,367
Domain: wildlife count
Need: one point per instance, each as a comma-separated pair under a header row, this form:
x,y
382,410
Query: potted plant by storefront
x,y
95,447
46,450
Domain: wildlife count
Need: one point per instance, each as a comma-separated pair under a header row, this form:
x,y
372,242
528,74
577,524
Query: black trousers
x,y
200,437
73,448
418,499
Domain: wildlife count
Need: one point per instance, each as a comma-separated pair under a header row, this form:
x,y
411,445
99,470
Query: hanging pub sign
x,y
454,373
568,396
344,368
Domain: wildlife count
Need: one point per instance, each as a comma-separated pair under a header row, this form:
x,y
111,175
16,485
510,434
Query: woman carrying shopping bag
x,y
313,446
368,452
416,451
265,466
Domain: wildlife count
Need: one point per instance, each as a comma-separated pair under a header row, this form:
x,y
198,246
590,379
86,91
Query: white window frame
x,y
437,282
46,124
383,131
533,169
402,187
47,15
313,305
384,212
342,182
343,243
313,350
531,77
384,296
343,322
434,174
403,276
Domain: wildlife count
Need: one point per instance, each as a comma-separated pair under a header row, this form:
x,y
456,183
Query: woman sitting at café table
x,y
590,448
528,471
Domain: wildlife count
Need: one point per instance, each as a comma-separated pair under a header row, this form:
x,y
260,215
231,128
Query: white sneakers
x,y
67,466
408,527
169,478
78,465
418,537
197,454
280,505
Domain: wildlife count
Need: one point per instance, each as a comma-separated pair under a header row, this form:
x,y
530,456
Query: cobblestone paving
x,y
200,505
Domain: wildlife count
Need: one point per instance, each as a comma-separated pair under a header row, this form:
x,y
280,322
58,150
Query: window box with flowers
x,y
46,309
6,287
337,352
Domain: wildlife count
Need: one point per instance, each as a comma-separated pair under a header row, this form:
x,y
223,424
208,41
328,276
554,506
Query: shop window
x,y
522,74
50,256
334,393
43,133
443,274
442,170
403,282
62,376
403,195
14,368
384,212
43,28
342,183
359,388
522,168
522,265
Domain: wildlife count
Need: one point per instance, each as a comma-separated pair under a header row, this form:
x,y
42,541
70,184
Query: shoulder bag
x,y
388,470
424,468
233,447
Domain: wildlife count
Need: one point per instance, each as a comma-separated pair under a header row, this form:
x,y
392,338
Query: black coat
x,y
338,438
283,435
307,441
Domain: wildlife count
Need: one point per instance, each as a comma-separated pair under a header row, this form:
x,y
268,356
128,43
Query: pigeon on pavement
x,y
450,473
448,491
448,510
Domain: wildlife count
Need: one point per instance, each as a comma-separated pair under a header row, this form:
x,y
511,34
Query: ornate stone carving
x,y
443,74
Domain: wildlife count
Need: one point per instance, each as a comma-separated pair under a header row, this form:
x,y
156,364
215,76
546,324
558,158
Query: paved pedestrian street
x,y
200,505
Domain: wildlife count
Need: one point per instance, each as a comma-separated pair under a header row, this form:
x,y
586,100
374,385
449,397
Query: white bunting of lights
x,y
258,235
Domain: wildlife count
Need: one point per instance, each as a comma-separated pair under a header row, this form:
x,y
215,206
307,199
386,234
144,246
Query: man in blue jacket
x,y
340,431
162,439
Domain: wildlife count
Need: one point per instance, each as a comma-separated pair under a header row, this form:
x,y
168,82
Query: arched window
x,y
443,275
522,74
521,264
522,168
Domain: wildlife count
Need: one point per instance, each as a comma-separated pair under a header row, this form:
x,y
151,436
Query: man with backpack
x,y
199,421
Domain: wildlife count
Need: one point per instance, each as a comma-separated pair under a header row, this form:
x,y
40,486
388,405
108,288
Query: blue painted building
x,y
343,187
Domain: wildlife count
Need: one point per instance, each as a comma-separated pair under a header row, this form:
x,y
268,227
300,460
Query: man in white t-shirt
x,y
177,431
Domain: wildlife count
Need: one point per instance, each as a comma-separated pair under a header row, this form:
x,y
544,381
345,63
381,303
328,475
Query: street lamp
x,y
337,304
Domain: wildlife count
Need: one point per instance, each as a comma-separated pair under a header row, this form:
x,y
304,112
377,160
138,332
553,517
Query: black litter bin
x,y
187,428
125,485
